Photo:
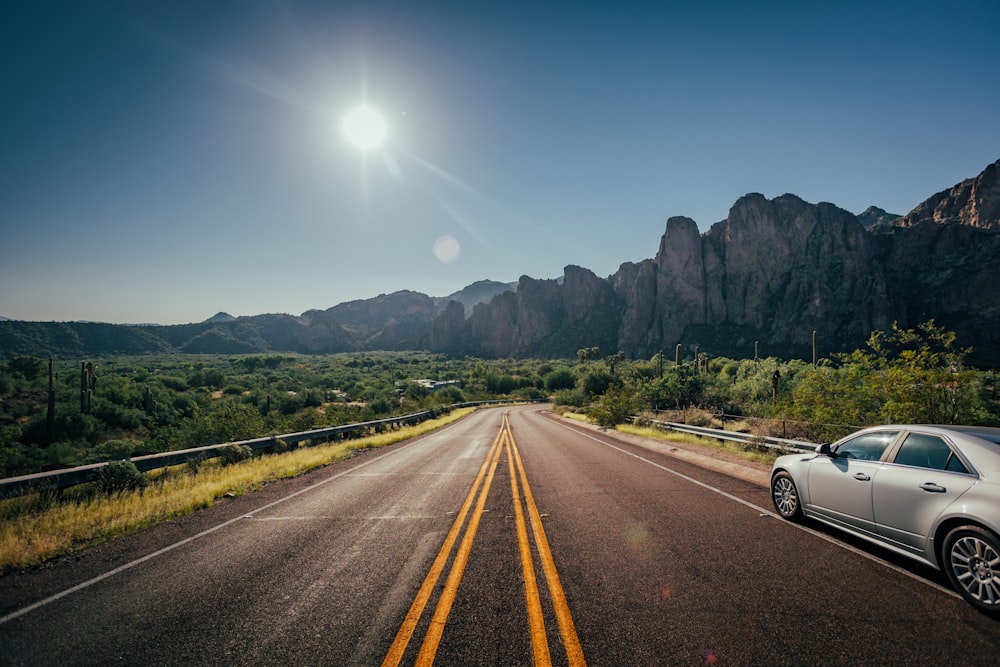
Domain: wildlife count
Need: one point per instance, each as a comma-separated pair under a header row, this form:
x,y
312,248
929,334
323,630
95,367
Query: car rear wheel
x,y
785,497
972,561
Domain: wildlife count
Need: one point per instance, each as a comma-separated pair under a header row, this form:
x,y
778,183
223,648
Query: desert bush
x,y
559,379
574,398
615,407
110,450
234,453
119,476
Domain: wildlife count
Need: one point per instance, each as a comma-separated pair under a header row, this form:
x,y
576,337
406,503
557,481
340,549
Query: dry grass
x,y
39,527
744,452
735,449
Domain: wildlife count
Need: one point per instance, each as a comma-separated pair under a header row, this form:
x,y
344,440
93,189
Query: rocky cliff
x,y
975,202
768,276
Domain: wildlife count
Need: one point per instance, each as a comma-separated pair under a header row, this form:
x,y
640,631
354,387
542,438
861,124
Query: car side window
x,y
867,447
928,451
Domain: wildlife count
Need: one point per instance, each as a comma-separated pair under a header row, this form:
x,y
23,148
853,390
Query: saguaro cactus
x,y
50,414
88,385
147,401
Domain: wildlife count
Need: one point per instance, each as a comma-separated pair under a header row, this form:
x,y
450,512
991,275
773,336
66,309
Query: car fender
x,y
796,465
977,506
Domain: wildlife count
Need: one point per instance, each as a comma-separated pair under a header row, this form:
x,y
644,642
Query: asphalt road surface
x,y
507,538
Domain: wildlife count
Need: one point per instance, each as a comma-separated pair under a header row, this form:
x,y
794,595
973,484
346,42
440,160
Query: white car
x,y
929,492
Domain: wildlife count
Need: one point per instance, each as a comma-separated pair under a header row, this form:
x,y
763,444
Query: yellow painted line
x,y
571,642
405,632
504,441
539,640
436,629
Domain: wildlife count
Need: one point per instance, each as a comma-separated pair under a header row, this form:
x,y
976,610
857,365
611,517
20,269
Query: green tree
x,y
29,368
230,421
615,407
904,375
595,381
560,378
680,388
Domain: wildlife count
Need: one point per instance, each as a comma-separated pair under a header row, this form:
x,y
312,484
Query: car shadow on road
x,y
915,567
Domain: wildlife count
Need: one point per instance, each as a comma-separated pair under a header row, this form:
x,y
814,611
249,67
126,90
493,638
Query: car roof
x,y
980,444
991,433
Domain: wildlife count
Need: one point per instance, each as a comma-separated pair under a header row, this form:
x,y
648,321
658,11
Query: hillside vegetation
x,y
119,407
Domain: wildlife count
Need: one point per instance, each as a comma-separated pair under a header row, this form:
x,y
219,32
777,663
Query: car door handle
x,y
932,487
861,477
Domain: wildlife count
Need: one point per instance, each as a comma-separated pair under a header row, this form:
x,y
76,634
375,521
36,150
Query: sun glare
x,y
364,128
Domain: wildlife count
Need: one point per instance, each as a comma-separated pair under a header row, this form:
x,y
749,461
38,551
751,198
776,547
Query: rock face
x,y
787,268
478,292
769,276
546,318
974,202
874,216
766,278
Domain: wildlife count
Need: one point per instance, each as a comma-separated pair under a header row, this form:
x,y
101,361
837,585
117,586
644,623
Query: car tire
x,y
971,558
785,497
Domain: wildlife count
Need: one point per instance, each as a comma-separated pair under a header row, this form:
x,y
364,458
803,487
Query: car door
x,y
925,476
840,486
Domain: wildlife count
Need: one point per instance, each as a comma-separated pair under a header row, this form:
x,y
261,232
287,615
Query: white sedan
x,y
929,492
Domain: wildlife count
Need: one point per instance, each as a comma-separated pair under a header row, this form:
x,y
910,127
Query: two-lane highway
x,y
508,538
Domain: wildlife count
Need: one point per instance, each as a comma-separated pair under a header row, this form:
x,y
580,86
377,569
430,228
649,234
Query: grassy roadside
x,y
39,527
734,449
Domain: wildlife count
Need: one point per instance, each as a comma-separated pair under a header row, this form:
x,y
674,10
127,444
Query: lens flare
x,y
365,128
447,249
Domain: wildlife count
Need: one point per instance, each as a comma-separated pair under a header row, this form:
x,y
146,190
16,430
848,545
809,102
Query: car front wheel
x,y
785,497
972,561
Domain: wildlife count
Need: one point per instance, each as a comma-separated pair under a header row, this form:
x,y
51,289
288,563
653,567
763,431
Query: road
x,y
614,554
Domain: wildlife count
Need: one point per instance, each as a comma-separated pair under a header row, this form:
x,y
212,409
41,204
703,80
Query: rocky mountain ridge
x,y
767,277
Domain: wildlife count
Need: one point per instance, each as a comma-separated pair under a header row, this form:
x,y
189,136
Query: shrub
x,y
596,381
574,398
111,450
529,393
119,476
177,384
615,407
234,453
561,378
280,446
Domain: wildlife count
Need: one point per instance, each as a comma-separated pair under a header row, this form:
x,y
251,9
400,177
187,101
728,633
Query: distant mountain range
x,y
768,276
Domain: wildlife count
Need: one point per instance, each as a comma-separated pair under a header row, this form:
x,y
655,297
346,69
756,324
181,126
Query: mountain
x,y
482,291
220,317
874,216
770,277
975,202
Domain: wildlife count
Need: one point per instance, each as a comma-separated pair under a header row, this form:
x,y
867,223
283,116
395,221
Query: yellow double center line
x,y
480,489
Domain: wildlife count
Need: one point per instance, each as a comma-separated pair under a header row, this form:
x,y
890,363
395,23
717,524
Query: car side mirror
x,y
824,450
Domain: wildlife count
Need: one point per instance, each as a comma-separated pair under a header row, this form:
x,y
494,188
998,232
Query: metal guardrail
x,y
61,479
782,444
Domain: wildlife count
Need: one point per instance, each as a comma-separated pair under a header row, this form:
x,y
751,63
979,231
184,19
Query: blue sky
x,y
163,160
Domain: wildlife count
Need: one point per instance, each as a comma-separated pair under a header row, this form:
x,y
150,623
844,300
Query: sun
x,y
365,128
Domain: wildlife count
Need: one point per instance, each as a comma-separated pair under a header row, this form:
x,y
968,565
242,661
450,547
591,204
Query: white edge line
x,y
127,566
807,529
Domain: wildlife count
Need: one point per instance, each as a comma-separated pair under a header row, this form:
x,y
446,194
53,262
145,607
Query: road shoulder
x,y
706,457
